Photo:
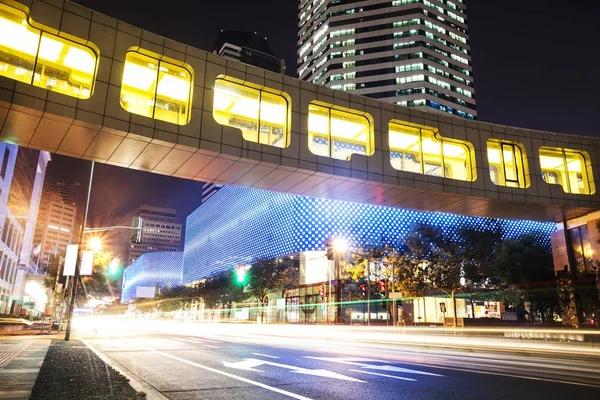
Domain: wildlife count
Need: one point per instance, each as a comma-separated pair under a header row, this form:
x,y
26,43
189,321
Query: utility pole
x,y
79,257
369,291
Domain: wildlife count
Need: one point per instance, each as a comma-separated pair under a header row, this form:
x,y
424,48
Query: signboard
x,y
87,263
395,295
70,260
145,292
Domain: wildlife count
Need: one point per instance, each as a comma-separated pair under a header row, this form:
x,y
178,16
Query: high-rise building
x,y
414,53
56,227
208,189
249,48
68,190
160,232
22,173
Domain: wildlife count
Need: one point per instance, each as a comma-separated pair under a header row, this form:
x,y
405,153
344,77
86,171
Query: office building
x,y
160,232
249,48
68,190
413,53
151,270
56,227
22,175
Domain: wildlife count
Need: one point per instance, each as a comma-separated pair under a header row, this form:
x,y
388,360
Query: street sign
x,y
28,303
70,260
395,295
87,263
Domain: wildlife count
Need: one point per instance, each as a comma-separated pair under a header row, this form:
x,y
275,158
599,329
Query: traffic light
x,y
113,267
321,292
381,287
240,274
363,290
266,301
330,250
136,230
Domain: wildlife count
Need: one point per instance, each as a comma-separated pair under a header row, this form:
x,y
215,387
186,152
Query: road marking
x,y
390,368
385,375
211,346
239,378
264,355
249,364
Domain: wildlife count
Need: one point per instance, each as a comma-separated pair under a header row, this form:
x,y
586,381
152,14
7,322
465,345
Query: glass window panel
x,y
338,134
419,150
263,117
156,88
138,87
566,168
349,135
318,130
60,64
507,163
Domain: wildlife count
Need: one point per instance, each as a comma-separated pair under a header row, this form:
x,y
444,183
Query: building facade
x,y
56,227
413,53
249,48
258,224
160,232
22,174
159,269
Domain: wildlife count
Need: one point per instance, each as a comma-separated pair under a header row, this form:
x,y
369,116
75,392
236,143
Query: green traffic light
x,y
241,275
113,267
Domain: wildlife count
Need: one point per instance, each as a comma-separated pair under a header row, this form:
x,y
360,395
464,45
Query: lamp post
x,y
79,257
339,246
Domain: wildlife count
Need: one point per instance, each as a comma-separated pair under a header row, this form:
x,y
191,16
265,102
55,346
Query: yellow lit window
x,y
567,168
418,149
262,116
38,57
157,87
339,134
508,163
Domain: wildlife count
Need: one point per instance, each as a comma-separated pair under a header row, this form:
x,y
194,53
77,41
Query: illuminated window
x,y
339,134
157,87
567,168
508,163
262,116
53,61
420,150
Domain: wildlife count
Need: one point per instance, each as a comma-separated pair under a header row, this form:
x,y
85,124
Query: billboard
x,y
145,292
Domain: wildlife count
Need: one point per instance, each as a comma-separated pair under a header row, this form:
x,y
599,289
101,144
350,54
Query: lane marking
x,y
211,346
264,355
239,378
390,368
385,375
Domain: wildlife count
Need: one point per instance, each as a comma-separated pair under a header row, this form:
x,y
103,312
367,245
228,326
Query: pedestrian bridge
x,y
82,84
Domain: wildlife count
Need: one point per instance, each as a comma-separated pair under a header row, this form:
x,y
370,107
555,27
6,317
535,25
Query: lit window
x,y
567,168
157,87
421,150
339,134
508,163
262,116
36,57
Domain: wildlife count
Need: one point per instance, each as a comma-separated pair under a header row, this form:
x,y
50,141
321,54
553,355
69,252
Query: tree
x,y
268,276
527,265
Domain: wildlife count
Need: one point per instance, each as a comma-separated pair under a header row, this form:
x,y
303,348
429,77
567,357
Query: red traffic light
x,y
381,286
363,289
322,290
266,301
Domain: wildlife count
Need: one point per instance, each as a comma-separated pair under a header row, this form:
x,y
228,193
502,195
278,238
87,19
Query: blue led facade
x,y
241,225
161,268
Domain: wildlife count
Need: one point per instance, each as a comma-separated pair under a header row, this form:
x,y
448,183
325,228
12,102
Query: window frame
x,y
161,59
471,171
261,89
587,176
370,134
523,172
66,39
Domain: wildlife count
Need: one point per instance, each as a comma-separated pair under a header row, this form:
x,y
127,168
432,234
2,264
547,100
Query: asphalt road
x,y
234,367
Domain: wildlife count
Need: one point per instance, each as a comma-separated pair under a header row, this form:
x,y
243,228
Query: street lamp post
x,y
339,247
79,256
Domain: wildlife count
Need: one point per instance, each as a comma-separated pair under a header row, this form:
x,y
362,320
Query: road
x,y
234,366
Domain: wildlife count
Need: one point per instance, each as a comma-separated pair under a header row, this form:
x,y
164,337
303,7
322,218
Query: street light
x,y
95,244
335,247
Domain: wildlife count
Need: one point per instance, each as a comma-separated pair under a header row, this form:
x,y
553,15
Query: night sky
x,y
535,65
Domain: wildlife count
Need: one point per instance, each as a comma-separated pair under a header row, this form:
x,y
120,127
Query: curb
x,y
134,381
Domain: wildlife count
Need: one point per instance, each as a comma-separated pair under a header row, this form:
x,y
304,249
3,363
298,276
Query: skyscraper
x,y
160,232
249,48
413,53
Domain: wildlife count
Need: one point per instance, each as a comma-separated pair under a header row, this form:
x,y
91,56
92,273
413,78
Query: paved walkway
x,y
21,358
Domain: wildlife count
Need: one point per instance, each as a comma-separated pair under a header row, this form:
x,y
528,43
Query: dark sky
x,y
535,65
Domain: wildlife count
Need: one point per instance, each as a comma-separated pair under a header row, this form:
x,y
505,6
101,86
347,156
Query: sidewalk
x,y
20,360
47,367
